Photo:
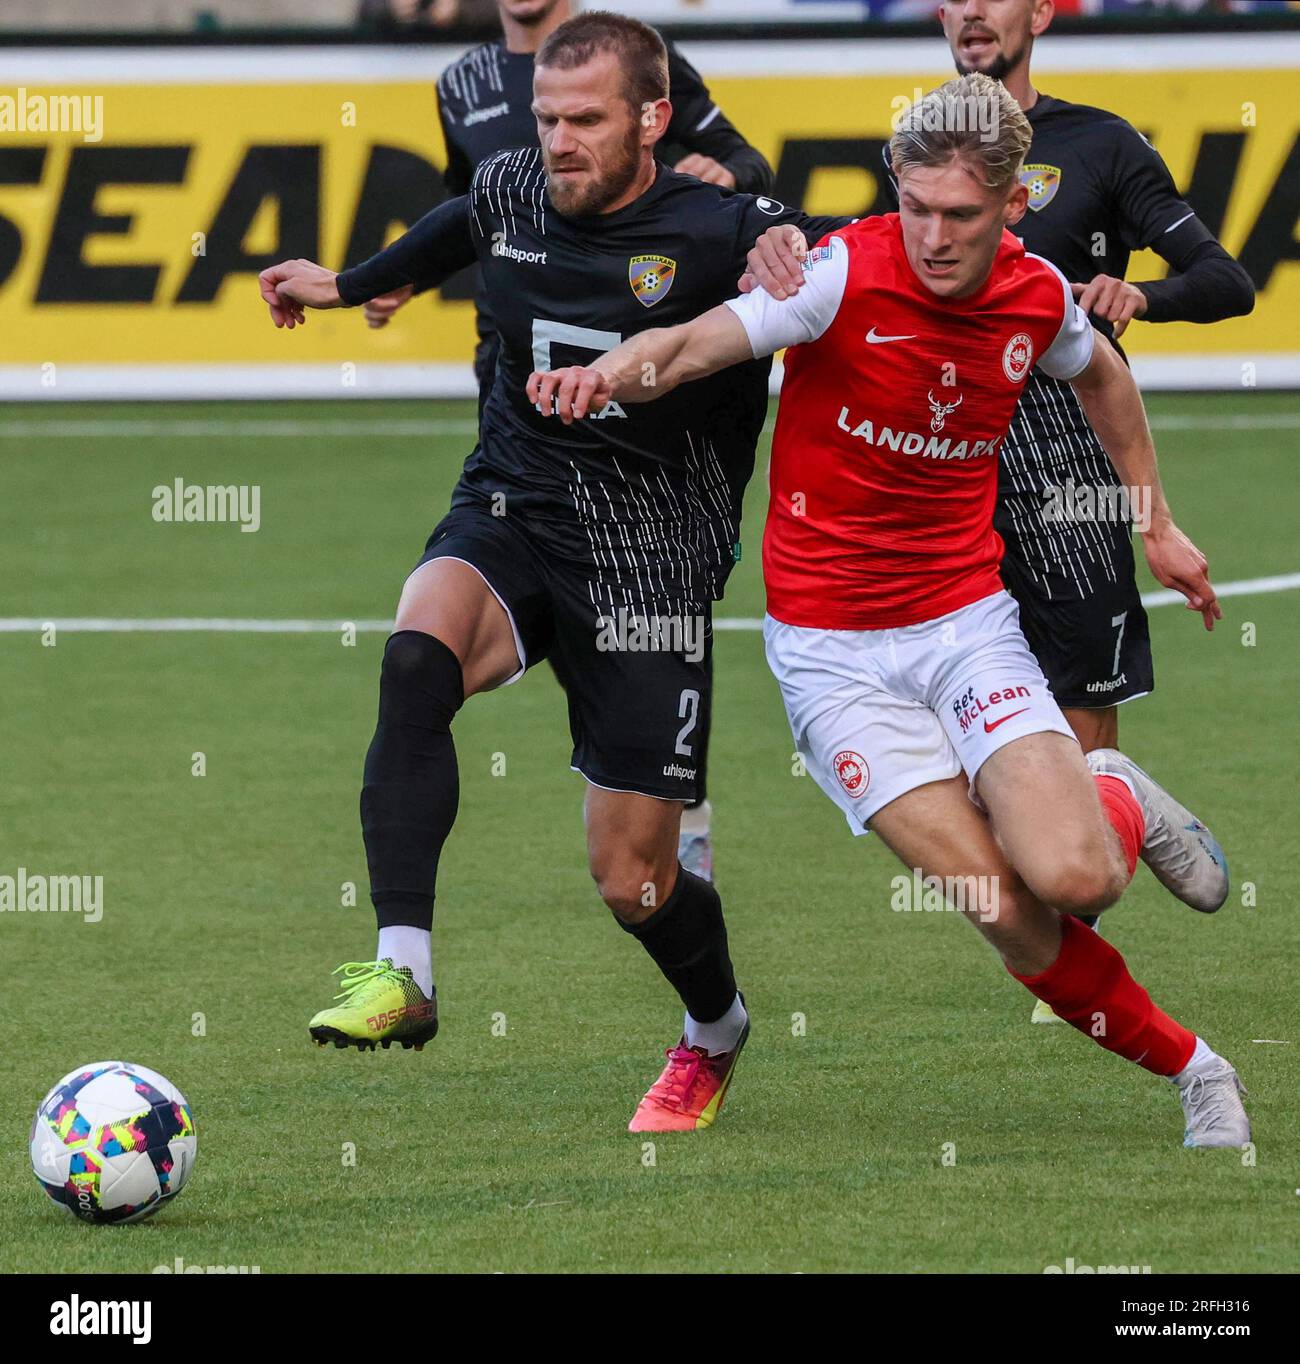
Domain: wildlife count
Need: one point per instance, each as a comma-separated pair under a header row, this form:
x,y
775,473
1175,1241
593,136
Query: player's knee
x,y
419,672
1079,882
630,887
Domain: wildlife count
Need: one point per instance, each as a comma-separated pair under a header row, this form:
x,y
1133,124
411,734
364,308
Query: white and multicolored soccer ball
x,y
112,1142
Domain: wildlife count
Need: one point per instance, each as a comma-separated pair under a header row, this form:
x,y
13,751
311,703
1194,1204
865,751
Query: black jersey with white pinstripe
x,y
1098,191
648,493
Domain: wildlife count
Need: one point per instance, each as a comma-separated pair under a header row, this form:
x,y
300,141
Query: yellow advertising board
x,y
141,190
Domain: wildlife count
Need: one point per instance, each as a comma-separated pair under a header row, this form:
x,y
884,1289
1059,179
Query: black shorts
x,y
636,676
1094,649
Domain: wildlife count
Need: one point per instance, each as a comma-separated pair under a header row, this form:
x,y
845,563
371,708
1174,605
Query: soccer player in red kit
x,y
909,686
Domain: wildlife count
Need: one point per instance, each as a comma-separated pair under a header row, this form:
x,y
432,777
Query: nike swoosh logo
x,y
1002,719
874,339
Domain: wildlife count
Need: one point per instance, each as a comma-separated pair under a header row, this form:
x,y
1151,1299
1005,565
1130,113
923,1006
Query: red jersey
x,y
894,406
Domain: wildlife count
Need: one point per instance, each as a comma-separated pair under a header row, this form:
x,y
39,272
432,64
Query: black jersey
x,y
1098,191
485,103
644,497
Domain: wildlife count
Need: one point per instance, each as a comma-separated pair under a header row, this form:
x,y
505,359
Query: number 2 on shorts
x,y
688,708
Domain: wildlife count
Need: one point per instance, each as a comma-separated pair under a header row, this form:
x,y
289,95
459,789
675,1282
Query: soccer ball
x,y
112,1142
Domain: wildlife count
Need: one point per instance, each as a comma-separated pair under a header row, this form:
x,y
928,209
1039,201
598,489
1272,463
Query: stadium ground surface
x,y
222,912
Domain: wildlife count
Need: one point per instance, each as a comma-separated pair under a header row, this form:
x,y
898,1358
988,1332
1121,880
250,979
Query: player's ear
x,y
1044,11
656,114
1017,202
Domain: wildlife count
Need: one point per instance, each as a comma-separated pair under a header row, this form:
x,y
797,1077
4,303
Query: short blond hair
x,y
973,117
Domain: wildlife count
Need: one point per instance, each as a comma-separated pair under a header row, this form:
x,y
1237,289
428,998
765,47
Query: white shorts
x,y
877,713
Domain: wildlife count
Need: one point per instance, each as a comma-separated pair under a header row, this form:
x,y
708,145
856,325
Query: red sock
x,y
1089,986
1125,816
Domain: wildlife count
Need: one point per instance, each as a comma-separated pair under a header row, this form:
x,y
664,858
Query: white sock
x,y
1203,1059
411,947
696,821
721,1035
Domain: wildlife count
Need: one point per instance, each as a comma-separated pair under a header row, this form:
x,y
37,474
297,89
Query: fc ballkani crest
x,y
650,277
1042,182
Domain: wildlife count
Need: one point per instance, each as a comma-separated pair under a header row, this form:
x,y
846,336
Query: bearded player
x,y
553,536
485,101
910,689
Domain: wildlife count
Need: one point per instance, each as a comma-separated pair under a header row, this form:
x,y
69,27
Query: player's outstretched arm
x,y
1112,403
433,250
644,367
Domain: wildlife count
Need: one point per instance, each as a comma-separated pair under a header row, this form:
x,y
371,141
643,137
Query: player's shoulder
x,y
512,180
1095,126
460,80
517,168
1029,279
688,194
876,237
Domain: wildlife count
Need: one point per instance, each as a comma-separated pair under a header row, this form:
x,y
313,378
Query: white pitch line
x,y
100,430
422,428
1244,587
115,625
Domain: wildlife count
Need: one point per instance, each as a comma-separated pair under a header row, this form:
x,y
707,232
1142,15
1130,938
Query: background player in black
x,y
485,105
557,544
1098,191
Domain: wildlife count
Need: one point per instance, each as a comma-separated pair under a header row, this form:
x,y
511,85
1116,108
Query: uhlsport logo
x,y
501,247
1017,357
1042,182
485,115
651,277
970,707
852,772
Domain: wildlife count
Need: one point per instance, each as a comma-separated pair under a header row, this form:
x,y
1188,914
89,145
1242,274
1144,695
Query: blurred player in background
x,y
485,103
554,538
1098,190
907,681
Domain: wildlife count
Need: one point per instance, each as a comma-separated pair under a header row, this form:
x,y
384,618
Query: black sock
x,y
411,786
687,938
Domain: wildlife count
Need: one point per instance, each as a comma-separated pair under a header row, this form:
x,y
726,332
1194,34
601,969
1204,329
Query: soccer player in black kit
x,y
601,546
485,106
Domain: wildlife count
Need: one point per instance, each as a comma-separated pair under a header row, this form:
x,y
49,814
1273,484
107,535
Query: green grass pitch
x,y
486,1152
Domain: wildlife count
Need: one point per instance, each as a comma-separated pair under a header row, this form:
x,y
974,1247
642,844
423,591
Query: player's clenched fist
x,y
775,262
379,311
569,393
293,286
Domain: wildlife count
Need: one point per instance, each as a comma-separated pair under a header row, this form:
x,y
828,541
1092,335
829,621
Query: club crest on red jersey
x,y
651,277
1042,182
1018,356
852,772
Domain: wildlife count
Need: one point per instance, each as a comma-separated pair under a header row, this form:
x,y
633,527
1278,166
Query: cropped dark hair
x,y
636,47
